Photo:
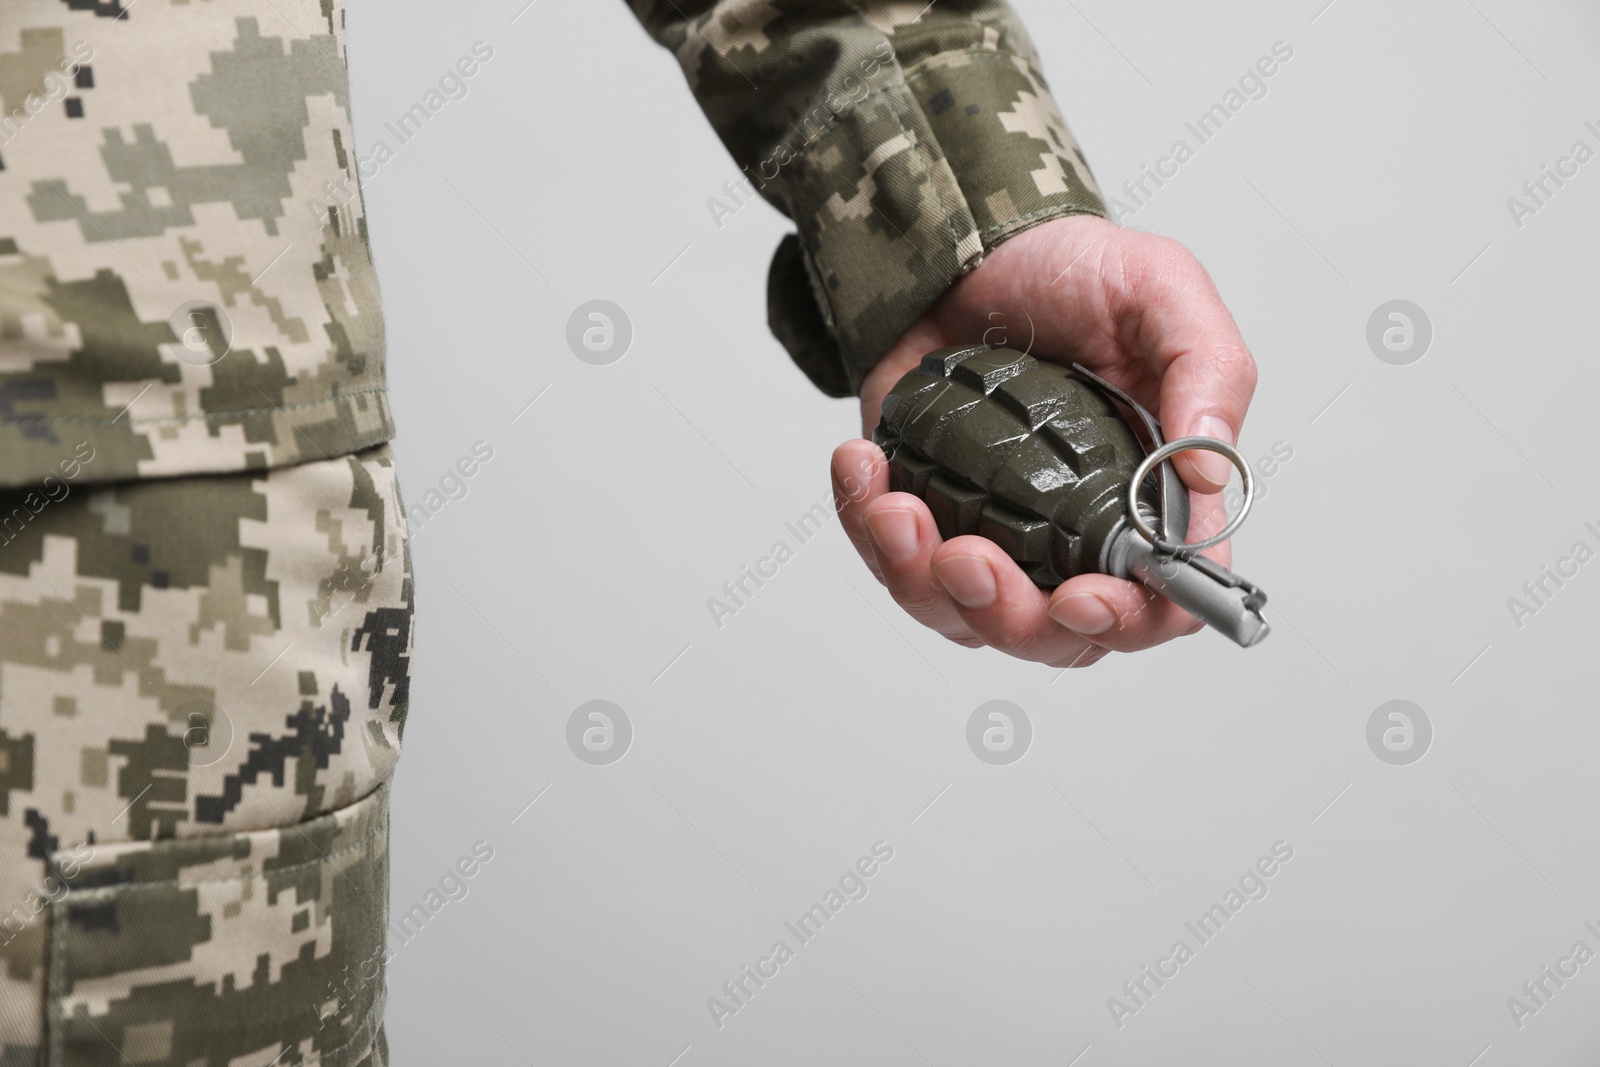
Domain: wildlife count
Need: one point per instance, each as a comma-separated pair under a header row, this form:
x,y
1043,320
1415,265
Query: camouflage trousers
x,y
203,685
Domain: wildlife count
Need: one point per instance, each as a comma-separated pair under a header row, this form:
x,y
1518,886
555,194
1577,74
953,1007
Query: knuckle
x,y
1166,262
921,604
1173,253
1129,618
1017,636
1233,363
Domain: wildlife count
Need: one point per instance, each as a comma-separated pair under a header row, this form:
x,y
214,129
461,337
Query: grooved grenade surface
x,y
1024,453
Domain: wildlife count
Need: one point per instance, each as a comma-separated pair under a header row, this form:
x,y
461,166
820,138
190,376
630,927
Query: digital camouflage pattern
x,y
905,139
185,279
203,686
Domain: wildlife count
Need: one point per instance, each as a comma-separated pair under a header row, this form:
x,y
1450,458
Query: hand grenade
x,y
1041,459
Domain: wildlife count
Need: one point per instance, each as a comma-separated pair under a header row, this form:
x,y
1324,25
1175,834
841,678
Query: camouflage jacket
x,y
185,280
186,284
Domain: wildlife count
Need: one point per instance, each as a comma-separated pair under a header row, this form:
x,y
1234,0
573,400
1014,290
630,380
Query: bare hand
x,y
1138,310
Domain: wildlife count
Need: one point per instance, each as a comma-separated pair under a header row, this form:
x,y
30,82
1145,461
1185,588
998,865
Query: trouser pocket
x,y
265,947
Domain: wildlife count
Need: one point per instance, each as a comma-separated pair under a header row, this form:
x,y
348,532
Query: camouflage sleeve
x,y
904,140
185,278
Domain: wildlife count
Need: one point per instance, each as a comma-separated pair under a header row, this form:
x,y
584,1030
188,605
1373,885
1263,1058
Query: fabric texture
x,y
905,140
185,279
205,598
203,686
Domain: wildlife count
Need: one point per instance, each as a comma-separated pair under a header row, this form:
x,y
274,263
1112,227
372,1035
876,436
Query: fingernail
x,y
969,579
1213,467
894,532
1084,613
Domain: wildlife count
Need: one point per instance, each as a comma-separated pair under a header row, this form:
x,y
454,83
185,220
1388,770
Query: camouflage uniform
x,y
205,589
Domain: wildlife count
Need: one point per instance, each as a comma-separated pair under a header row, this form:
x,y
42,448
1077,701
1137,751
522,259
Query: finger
x,y
1207,516
1118,615
904,538
1126,616
894,533
1002,606
860,476
1186,335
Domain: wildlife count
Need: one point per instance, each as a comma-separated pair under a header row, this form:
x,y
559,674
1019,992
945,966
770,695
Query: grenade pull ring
x,y
1202,586
1168,450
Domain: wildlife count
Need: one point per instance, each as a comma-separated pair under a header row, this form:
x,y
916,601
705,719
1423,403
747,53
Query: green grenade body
x,y
1027,454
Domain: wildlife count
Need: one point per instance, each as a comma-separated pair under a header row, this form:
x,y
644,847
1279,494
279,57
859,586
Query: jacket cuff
x,y
900,192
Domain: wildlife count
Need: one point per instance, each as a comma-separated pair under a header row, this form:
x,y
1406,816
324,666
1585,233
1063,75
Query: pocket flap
x,y
224,950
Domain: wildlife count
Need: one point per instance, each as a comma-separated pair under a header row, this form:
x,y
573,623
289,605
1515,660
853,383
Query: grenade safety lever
x,y
1038,458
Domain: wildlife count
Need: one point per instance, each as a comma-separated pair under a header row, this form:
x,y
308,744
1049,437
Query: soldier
x,y
205,589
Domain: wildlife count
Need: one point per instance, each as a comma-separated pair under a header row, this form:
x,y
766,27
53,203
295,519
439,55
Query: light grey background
x,y
770,754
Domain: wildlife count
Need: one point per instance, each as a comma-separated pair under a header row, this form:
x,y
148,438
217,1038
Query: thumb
x,y
1186,336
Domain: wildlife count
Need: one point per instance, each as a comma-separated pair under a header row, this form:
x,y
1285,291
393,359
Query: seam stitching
x,y
58,1002
933,63
375,1013
1059,209
99,892
802,146
917,149
83,420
